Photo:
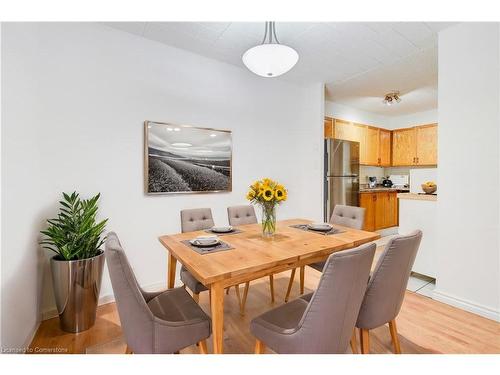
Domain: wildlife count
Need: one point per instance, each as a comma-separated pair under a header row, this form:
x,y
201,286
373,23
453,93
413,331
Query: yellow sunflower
x,y
280,193
268,194
255,186
251,195
267,182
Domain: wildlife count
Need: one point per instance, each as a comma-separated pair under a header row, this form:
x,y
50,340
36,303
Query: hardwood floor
x,y
424,325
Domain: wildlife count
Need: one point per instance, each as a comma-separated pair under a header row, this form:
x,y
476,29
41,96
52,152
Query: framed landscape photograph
x,y
186,159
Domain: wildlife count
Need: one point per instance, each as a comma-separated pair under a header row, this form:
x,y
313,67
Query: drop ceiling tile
x,y
130,27
177,37
288,31
216,26
438,26
415,32
396,43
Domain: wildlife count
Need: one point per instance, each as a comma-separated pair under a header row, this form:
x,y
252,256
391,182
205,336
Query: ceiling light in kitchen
x,y
392,98
270,59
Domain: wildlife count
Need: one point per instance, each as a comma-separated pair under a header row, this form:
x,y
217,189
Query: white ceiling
x,y
360,62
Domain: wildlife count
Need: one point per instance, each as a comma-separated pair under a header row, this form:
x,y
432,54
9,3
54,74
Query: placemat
x,y
234,231
306,228
221,246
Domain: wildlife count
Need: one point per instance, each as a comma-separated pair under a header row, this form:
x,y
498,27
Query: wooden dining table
x,y
253,256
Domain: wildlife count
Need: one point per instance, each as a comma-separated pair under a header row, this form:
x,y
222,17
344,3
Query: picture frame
x,y
185,159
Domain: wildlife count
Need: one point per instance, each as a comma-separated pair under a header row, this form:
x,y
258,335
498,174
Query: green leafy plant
x,y
75,234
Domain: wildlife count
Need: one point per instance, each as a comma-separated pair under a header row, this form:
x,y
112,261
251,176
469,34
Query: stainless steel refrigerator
x,y
341,175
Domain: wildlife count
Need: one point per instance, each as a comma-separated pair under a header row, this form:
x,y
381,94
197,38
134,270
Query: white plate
x,y
222,229
204,243
320,226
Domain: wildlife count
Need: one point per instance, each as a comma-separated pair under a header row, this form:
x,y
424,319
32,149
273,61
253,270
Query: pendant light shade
x,y
270,59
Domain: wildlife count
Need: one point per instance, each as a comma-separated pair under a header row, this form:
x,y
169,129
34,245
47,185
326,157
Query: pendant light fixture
x,y
270,59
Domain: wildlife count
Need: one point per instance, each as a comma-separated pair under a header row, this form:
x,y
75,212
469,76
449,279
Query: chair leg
x,y
227,289
394,336
238,295
244,299
271,285
196,297
203,347
302,274
354,342
364,338
260,347
128,350
290,283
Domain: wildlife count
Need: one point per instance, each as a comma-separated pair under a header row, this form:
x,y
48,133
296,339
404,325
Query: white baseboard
x,y
466,305
108,298
31,336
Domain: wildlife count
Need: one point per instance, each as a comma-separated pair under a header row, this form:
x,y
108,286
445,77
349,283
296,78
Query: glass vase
x,y
268,221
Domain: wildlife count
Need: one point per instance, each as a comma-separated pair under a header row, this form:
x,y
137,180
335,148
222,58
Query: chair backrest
x,y
349,216
386,289
196,219
135,316
329,319
240,215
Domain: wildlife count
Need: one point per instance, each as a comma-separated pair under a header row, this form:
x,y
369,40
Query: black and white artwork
x,y
187,159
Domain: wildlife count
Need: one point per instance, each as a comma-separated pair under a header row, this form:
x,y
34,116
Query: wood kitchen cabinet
x,y
381,209
370,147
328,127
385,141
384,148
403,147
348,131
415,146
426,144
374,143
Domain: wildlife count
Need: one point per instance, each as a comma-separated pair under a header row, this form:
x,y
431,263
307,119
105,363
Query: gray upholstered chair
x,y
386,288
323,321
153,322
241,215
347,216
193,220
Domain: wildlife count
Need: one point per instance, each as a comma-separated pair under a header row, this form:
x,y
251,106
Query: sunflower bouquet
x,y
268,194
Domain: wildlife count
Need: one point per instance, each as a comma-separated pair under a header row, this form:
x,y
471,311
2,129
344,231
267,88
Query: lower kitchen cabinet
x,y
381,209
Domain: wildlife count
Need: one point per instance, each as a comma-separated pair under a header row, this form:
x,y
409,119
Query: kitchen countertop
x,y
381,189
418,197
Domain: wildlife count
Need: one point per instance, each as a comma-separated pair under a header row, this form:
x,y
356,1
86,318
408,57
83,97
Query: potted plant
x,y
77,267
268,194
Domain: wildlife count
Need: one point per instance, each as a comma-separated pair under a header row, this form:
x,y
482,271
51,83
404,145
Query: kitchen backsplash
x,y
381,172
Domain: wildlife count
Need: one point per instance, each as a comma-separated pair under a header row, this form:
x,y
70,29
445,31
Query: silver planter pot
x,y
77,284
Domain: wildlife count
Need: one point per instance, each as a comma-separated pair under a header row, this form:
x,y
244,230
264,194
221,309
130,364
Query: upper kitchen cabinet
x,y
369,154
374,143
415,146
375,146
427,144
404,147
347,131
385,137
328,127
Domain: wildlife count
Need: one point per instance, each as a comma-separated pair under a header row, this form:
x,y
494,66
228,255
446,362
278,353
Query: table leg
x,y
217,310
172,263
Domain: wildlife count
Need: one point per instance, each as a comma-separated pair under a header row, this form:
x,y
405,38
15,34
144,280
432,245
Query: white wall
x,y
413,119
344,112
75,97
348,113
469,140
